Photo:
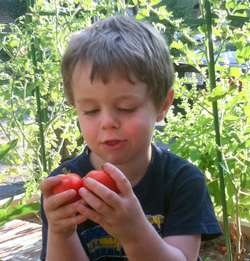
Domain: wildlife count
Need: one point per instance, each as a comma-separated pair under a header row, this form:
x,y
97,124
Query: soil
x,y
210,250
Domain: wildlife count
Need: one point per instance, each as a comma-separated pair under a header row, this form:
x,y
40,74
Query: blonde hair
x,y
121,46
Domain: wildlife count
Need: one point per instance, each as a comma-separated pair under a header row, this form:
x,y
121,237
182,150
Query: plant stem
x,y
39,110
238,227
211,69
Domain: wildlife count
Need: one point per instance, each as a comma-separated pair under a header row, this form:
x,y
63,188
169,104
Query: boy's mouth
x,y
113,144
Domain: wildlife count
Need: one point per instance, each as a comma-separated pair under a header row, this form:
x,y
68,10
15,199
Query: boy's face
x,y
117,119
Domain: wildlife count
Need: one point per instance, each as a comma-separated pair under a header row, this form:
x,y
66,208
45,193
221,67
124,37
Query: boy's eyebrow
x,y
84,100
120,98
129,97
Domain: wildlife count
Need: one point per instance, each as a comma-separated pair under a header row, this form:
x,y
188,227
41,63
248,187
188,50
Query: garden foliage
x,y
33,108
195,131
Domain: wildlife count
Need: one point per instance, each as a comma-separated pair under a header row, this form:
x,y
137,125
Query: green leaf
x,y
65,136
245,52
235,72
19,211
247,110
209,148
39,3
26,65
244,145
204,121
134,2
217,93
7,148
247,144
177,45
155,2
230,189
247,131
54,95
139,16
13,43
8,203
230,118
195,155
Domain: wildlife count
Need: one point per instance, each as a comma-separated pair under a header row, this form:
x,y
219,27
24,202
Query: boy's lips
x,y
113,144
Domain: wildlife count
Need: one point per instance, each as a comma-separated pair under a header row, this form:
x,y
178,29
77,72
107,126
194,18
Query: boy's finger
x,y
47,184
62,198
98,199
88,213
120,179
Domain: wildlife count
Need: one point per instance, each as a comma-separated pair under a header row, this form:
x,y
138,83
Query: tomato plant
x,y
103,177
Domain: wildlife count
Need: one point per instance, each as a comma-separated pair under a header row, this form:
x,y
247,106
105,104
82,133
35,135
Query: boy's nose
x,y
109,121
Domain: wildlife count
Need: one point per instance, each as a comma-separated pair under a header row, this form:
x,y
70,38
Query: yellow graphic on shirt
x,y
157,221
101,244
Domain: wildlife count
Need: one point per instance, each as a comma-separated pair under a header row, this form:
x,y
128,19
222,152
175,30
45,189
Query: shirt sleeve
x,y
44,232
190,210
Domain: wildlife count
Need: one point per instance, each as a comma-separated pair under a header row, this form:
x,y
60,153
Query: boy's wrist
x,y
141,233
61,233
150,246
62,247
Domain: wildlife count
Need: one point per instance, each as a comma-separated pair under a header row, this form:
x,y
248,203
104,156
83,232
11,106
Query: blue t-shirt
x,y
173,195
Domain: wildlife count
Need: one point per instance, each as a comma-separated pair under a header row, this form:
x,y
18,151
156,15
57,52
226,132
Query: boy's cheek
x,y
89,131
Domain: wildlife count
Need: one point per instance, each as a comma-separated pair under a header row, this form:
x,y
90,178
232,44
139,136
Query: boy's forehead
x,y
86,70
82,68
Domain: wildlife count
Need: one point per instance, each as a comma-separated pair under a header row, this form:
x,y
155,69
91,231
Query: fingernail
x,y
80,202
87,180
107,164
81,190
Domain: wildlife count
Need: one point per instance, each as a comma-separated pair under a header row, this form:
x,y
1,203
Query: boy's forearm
x,y
150,246
60,248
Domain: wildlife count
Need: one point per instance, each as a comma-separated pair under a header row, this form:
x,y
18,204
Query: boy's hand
x,y
119,214
61,216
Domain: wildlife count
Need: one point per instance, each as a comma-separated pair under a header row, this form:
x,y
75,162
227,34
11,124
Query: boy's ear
x,y
166,105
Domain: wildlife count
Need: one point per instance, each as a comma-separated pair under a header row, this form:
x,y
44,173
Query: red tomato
x,y
69,181
103,177
223,249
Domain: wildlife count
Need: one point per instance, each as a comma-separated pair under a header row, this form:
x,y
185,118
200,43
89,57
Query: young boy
x,y
119,76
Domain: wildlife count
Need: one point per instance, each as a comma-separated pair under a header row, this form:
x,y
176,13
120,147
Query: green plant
x,y
32,104
7,214
6,148
214,133
36,110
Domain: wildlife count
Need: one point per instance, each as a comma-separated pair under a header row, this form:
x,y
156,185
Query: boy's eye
x,y
91,112
129,110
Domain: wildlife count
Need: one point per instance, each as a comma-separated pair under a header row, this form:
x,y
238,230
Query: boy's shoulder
x,y
174,166
168,157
